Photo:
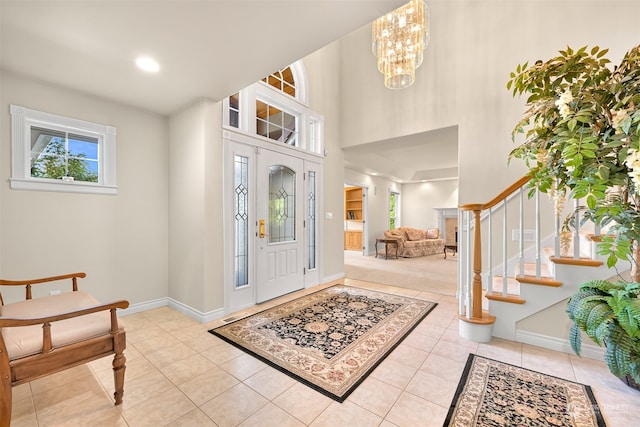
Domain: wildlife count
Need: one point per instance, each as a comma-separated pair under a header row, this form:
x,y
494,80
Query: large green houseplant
x,y
582,140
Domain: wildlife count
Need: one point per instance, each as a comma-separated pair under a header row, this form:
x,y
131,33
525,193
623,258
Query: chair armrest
x,y
7,322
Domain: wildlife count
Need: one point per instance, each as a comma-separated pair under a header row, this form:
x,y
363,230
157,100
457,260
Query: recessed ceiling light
x,y
147,64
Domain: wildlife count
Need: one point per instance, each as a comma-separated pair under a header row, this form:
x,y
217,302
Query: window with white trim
x,y
56,153
273,123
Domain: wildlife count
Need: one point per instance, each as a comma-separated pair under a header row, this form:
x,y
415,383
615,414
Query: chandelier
x,y
398,40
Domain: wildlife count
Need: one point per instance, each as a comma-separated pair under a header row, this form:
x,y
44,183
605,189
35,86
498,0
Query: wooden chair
x,y
41,336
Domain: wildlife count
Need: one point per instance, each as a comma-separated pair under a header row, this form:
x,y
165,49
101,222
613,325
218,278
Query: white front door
x,y
280,219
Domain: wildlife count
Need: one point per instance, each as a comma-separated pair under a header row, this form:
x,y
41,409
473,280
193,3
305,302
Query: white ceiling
x,y
426,156
206,48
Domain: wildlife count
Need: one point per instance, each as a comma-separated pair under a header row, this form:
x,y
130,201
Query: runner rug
x,y
492,393
331,339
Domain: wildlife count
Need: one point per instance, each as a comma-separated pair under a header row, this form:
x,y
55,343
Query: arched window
x,y
283,80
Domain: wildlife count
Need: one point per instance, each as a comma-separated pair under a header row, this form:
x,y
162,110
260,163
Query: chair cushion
x,y
27,340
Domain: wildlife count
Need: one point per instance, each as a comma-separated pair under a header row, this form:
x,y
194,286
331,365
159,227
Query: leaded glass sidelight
x,y
241,220
282,204
311,221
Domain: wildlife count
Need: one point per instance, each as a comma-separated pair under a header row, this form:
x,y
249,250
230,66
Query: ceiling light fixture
x,y
147,64
398,40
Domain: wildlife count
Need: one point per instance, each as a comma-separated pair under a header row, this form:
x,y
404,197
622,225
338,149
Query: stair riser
x,y
539,298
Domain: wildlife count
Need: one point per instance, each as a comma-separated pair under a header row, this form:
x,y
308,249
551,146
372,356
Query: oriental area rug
x,y
331,339
492,393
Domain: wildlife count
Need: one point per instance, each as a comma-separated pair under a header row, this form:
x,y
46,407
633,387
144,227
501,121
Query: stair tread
x,y
533,280
584,252
510,298
584,261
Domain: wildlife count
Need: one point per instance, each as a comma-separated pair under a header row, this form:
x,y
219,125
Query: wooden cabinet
x,y
353,240
353,203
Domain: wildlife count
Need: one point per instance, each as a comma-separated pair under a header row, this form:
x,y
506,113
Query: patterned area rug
x,y
329,340
492,393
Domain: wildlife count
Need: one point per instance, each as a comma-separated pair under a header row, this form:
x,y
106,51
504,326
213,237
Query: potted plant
x,y
609,313
582,141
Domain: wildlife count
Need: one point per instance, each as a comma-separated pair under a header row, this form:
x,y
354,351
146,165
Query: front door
x,y
280,219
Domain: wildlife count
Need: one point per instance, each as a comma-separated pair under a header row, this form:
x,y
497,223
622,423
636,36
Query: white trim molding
x,y
588,350
196,315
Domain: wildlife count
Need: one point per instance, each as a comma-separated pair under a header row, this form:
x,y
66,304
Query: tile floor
x,y
180,375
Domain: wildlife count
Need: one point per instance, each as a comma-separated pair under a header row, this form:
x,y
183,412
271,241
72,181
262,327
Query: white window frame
x,y
22,119
397,217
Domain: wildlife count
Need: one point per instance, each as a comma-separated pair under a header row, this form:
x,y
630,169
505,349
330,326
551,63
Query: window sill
x,y
62,187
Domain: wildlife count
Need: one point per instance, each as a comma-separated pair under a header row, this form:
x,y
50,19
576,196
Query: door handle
x,y
261,230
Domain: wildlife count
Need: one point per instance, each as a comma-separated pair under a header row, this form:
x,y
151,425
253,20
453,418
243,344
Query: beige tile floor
x,y
180,375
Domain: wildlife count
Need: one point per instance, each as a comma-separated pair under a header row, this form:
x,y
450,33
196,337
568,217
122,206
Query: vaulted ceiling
x,y
206,48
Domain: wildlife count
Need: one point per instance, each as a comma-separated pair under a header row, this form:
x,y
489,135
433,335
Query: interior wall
x,y
418,201
195,214
121,240
323,73
186,207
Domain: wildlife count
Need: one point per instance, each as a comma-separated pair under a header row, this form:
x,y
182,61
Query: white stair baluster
x,y
576,234
468,281
521,243
504,248
538,249
490,255
462,267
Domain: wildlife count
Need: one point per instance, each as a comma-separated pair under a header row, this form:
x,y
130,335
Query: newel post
x,y
476,309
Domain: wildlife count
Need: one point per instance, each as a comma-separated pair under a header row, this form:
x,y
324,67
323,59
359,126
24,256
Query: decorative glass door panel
x,y
282,204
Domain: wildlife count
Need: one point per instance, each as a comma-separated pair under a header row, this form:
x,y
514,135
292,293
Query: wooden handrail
x,y
500,197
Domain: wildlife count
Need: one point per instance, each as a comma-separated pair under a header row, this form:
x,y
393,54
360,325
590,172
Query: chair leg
x,y
5,388
119,367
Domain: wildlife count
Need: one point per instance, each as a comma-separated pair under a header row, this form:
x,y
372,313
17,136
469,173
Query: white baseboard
x,y
195,314
176,305
553,343
333,277
143,306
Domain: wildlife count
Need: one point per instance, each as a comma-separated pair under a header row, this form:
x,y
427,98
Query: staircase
x,y
509,272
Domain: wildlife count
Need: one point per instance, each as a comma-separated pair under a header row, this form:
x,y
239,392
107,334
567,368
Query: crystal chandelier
x,y
398,40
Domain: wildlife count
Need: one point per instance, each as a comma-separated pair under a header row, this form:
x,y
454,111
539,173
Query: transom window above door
x,y
276,108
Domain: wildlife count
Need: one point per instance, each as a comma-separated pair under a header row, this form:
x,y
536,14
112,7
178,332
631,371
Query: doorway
x,y
355,211
271,227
